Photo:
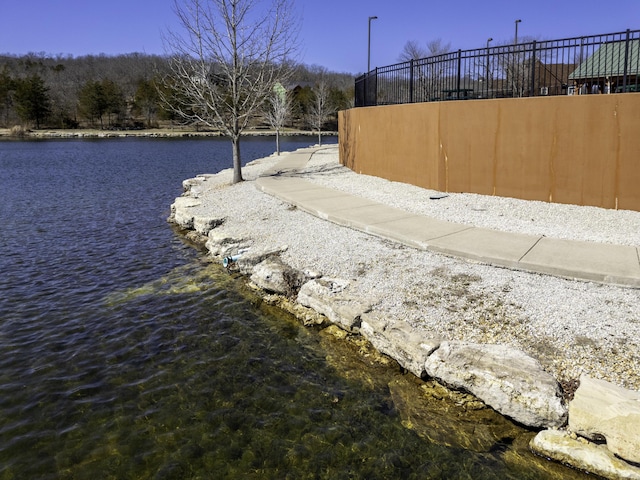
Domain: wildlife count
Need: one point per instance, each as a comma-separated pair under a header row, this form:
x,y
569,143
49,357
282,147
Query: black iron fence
x,y
608,63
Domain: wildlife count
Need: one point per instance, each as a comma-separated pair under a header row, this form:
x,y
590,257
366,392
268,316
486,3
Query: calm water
x,y
125,353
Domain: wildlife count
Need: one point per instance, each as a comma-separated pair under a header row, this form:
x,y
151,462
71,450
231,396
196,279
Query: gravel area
x,y
571,327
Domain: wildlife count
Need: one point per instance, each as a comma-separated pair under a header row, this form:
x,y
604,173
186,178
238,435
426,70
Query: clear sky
x,y
333,32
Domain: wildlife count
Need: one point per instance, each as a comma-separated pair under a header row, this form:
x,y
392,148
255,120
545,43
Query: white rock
x,y
326,296
252,257
506,379
204,225
220,244
181,211
401,342
275,276
582,455
602,409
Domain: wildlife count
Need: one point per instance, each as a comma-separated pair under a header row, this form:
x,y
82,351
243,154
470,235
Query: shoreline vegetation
x,y
164,132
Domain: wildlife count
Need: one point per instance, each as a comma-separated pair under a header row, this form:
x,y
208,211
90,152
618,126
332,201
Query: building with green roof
x,y
614,67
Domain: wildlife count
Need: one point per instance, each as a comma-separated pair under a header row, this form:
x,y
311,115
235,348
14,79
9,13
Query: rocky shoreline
x,y
255,234
177,132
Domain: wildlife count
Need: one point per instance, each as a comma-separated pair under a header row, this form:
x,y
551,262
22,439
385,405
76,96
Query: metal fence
x,y
607,63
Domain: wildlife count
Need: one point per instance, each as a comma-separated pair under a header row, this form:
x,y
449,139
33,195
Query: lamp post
x,y
515,62
490,39
369,45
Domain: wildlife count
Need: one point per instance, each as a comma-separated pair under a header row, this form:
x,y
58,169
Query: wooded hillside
x,y
122,92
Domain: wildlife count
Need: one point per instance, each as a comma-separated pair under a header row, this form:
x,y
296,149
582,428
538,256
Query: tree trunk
x,y
237,163
319,137
277,141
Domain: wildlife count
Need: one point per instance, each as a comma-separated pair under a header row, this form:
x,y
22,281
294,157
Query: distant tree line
x,y
126,92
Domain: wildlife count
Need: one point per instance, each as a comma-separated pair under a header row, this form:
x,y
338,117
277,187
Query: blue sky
x,y
333,32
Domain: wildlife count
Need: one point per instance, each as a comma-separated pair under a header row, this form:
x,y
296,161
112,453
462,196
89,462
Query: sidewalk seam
x,y
531,248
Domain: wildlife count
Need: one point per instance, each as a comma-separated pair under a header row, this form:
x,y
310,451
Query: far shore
x,y
165,132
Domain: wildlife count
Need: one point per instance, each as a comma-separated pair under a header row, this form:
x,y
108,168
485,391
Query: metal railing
x,y
607,63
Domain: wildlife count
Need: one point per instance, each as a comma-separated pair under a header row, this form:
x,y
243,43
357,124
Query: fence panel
x,y
607,63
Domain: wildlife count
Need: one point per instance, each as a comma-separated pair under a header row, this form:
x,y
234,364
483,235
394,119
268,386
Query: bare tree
x,y
226,62
279,111
436,47
320,108
427,72
515,63
412,50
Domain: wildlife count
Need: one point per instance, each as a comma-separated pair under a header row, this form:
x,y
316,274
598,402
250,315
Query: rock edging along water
x,y
511,382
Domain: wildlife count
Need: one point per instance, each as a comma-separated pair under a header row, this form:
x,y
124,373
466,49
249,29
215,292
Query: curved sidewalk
x,y
604,263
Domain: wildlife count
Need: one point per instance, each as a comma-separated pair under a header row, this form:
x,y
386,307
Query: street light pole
x,y
515,62
369,45
490,39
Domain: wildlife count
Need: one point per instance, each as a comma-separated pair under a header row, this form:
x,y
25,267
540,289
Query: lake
x,y
127,353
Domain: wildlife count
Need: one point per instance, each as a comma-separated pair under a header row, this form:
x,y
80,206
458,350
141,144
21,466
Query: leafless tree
x,y
515,63
226,61
436,47
412,50
279,111
320,108
427,73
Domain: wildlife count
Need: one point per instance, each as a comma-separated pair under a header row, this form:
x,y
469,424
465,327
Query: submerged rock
x,y
451,418
508,380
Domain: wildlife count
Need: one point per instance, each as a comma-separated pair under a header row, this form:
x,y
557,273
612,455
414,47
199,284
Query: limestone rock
x,y
582,455
400,341
253,256
203,225
182,209
273,275
195,186
327,296
181,212
602,409
219,243
506,379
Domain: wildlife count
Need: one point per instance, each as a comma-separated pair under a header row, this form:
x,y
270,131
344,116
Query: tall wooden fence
x,y
582,150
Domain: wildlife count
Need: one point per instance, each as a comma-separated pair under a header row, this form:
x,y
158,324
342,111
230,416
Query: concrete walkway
x,y
604,263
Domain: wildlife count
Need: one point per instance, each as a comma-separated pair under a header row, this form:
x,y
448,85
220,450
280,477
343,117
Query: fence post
x,y
626,62
375,88
533,71
411,81
459,68
365,95
488,73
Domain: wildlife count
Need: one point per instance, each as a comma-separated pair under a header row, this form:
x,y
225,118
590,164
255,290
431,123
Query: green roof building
x,y
605,69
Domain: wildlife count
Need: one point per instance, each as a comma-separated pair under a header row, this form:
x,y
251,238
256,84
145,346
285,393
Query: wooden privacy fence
x,y
582,150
